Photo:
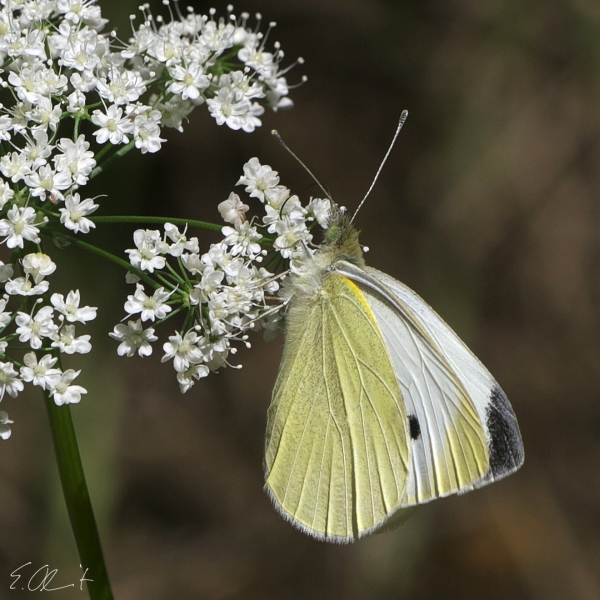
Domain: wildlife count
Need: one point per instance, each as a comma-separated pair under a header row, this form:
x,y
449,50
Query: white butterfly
x,y
378,404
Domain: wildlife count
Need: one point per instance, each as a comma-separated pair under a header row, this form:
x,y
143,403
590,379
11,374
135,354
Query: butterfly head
x,y
341,238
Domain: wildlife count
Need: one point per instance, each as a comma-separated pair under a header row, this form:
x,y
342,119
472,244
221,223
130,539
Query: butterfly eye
x,y
333,234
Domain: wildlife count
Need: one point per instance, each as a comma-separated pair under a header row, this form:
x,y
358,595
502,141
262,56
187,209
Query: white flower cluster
x,y
46,328
224,292
66,89
192,55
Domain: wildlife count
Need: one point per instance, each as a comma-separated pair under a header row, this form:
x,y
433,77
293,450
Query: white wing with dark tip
x,y
464,433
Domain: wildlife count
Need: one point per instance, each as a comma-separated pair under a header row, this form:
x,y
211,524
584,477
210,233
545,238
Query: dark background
x,y
488,208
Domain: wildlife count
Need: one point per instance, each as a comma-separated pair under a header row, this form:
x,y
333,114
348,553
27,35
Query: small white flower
x,y
192,263
38,265
260,61
76,11
152,307
277,92
75,159
243,239
230,108
174,111
188,81
133,338
185,379
45,114
217,36
85,81
292,210
38,149
268,282
64,392
289,233
67,343
40,373
78,49
15,166
146,132
238,80
320,209
4,425
180,242
210,282
214,353
149,247
165,48
113,126
73,215
77,103
260,181
182,350
47,181
22,286
18,226
233,210
121,87
34,329
70,307
9,380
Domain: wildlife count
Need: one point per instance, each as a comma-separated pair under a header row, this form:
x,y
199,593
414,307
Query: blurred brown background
x,y
489,208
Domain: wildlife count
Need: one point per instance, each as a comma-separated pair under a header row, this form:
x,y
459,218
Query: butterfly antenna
x,y
280,140
400,124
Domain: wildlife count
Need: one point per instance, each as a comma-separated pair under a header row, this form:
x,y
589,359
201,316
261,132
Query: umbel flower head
x,y
74,96
224,292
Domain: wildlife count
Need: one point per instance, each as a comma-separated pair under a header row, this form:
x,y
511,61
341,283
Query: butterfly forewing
x,y
463,430
337,449
503,437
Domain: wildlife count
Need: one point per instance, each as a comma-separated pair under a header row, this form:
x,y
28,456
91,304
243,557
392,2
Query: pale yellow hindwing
x,y
337,444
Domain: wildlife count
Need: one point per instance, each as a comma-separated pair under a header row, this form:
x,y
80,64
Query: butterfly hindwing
x,y
337,448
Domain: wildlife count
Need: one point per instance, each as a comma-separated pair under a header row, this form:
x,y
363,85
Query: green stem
x,y
121,152
78,501
108,256
159,220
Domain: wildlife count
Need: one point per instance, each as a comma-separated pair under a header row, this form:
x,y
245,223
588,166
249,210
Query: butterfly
x,y
378,405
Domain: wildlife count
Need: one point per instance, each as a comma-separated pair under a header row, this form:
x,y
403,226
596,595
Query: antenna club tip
x,y
274,132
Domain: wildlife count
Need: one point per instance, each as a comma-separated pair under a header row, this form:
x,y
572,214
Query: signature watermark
x,y
41,580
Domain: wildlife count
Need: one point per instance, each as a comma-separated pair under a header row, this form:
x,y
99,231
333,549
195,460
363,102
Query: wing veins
x,y
437,424
450,439
291,471
320,474
448,373
282,386
363,390
346,503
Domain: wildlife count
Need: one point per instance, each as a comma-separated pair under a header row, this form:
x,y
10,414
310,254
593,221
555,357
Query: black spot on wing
x,y
413,427
506,447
